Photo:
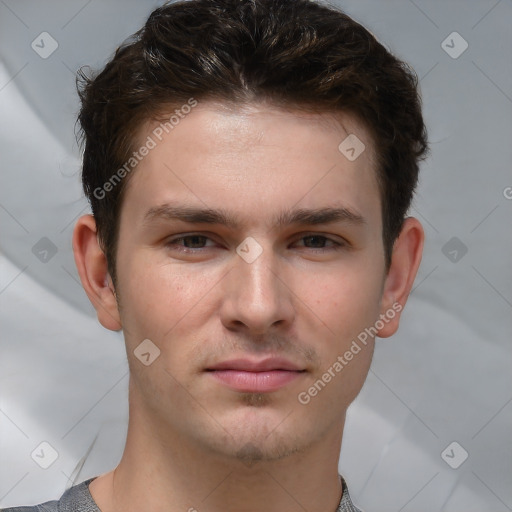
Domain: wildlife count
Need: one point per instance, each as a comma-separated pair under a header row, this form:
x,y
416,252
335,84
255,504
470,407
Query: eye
x,y
196,243
318,242
192,242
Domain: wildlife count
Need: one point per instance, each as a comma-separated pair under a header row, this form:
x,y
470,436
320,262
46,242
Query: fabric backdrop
x,y
438,391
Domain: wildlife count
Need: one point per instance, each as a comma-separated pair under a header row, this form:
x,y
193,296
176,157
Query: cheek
x,y
144,295
344,300
157,295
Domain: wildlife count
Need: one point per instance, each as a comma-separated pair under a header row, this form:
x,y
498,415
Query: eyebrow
x,y
195,215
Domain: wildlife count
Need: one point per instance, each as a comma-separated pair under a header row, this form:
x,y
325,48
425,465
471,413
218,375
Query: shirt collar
x,y
81,492
346,504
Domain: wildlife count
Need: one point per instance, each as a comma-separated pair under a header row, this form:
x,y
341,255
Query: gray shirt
x,y
79,499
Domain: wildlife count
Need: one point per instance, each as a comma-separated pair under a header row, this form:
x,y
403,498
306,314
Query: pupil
x,y
318,238
195,239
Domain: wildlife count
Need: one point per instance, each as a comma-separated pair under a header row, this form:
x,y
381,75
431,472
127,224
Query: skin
x,y
194,443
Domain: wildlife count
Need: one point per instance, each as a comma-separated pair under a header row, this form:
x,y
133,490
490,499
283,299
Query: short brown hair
x,y
297,54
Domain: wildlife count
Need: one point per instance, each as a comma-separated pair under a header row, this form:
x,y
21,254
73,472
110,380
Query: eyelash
x,y
173,244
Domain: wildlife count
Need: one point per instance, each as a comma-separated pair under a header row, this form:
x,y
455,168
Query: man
x,y
249,167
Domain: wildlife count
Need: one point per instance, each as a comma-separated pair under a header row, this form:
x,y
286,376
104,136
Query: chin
x,y
257,435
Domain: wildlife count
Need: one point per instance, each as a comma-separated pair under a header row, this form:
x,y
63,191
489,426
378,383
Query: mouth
x,y
263,376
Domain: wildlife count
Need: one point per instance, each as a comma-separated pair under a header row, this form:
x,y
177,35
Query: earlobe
x,y
406,259
92,268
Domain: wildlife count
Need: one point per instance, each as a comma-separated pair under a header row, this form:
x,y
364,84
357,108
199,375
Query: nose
x,y
257,295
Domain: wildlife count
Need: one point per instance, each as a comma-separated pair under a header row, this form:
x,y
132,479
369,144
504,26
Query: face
x,y
250,313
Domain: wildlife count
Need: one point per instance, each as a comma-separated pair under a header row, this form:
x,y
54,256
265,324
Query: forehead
x,y
258,157
243,126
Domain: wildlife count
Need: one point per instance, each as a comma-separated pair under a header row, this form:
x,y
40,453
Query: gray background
x,y
444,377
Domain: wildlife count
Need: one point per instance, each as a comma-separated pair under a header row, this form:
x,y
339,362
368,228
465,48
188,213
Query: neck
x,y
162,470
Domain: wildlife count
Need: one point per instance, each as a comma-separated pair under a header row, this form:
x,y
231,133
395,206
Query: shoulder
x,y
75,499
49,506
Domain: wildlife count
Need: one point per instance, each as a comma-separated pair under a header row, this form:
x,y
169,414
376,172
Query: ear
x,y
92,268
406,259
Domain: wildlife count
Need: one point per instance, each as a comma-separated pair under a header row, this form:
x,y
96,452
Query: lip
x,y
255,382
263,376
264,365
